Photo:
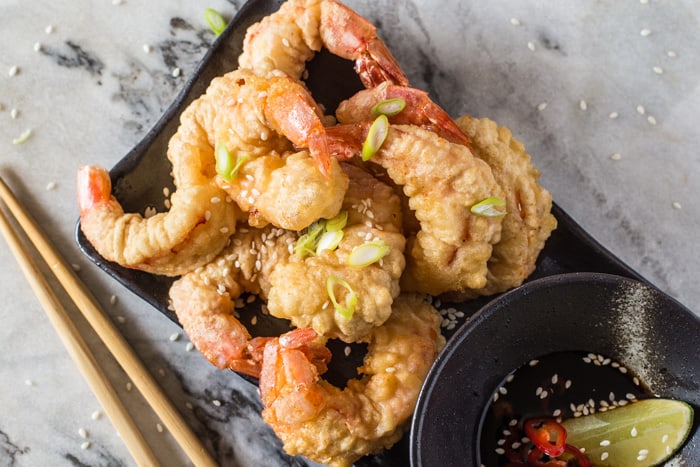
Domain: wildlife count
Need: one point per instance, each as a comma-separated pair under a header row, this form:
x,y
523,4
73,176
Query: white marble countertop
x,y
605,96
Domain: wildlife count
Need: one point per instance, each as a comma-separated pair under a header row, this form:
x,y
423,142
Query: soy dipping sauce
x,y
559,385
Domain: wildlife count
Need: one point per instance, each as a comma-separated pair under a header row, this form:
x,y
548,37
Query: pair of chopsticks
x,y
109,334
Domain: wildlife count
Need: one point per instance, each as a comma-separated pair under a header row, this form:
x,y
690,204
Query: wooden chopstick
x,y
104,328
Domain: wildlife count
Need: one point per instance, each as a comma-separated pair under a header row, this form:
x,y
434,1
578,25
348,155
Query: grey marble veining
x,y
554,72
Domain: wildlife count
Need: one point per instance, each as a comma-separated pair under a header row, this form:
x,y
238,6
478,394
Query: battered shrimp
x,y
529,221
335,426
442,181
189,235
299,287
287,39
251,125
204,299
262,262
419,110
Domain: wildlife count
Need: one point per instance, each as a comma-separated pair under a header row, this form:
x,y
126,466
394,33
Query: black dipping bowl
x,y
631,322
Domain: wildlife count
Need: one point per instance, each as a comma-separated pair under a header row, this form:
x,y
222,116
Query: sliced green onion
x,y
489,207
329,241
338,222
216,22
368,253
348,309
389,107
226,165
307,243
375,137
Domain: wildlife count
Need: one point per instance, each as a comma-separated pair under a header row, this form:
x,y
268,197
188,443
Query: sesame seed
x,y
96,415
641,110
515,22
623,370
215,200
50,186
85,445
174,336
500,451
76,267
13,71
495,396
658,70
285,41
583,105
14,113
555,379
117,2
147,48
645,32
676,205
501,442
216,402
633,431
613,115
616,157
664,439
83,433
513,422
643,452
611,396
37,47
166,203
541,106
567,384
533,362
347,350
531,45
176,72
29,382
121,319
159,427
671,54
129,386
515,445
644,2
113,300
49,29
651,120
605,442
603,456
503,390
189,347
223,230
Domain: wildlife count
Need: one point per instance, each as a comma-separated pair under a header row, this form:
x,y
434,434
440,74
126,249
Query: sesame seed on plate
x,y
541,106
96,415
216,402
49,29
37,47
633,432
676,205
159,427
605,442
583,105
658,70
85,445
148,48
176,72
515,22
117,2
29,382
14,113
531,45
645,32
604,456
189,347
613,115
50,186
651,119
13,71
641,110
616,157
174,336
671,54
82,432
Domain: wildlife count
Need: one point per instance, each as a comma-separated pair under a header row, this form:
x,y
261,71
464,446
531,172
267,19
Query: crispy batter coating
x,y
298,289
528,222
335,426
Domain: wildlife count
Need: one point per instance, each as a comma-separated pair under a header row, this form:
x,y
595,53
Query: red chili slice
x,y
547,435
580,458
535,459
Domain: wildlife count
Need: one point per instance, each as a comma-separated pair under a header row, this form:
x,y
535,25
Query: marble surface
x,y
605,96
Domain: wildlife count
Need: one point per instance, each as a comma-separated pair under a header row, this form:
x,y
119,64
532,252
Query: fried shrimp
x,y
442,181
528,222
416,109
251,126
338,426
300,286
204,299
287,39
189,235
263,262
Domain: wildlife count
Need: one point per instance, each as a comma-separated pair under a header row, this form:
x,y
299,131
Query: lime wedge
x,y
643,433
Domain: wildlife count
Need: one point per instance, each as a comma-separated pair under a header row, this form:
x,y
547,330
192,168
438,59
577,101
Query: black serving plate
x,y
138,181
631,322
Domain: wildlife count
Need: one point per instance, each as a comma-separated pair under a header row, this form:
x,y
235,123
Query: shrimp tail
x,y
93,187
348,35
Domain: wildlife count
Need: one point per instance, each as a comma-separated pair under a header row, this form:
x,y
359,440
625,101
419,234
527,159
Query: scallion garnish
x,y
329,241
338,222
389,107
306,244
348,309
489,207
375,137
226,165
367,253
216,22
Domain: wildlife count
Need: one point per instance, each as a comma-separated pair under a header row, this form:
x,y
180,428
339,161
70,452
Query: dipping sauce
x,y
559,385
